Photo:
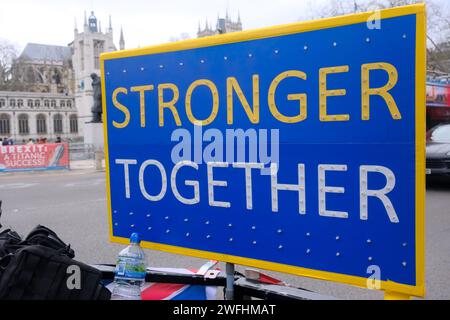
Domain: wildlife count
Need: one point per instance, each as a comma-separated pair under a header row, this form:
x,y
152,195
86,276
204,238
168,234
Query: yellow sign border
x,y
420,71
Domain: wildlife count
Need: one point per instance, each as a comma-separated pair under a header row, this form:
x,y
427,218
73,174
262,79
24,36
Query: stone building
x,y
54,98
45,106
45,68
25,115
223,25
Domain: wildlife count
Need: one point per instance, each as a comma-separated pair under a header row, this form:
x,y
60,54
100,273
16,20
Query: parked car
x,y
438,150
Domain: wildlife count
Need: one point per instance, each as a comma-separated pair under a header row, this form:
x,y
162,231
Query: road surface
x,y
74,205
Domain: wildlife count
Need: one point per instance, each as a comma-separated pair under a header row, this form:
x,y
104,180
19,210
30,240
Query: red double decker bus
x,y
438,103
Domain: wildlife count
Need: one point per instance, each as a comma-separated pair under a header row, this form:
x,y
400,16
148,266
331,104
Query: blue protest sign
x,y
297,148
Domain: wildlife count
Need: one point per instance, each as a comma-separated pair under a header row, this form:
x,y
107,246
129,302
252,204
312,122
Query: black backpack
x,y
41,267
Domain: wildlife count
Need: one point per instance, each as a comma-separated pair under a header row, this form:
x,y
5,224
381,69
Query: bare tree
x,y
397,3
8,54
182,36
12,68
438,22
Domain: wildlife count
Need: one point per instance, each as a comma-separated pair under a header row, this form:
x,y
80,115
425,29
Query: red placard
x,y
438,95
49,156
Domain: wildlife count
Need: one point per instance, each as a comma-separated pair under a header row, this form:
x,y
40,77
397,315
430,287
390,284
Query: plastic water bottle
x,y
130,271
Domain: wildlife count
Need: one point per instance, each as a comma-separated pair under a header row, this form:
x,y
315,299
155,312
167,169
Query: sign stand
x,y
229,289
388,295
341,206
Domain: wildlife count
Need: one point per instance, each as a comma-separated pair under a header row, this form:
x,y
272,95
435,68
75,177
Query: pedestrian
x,y
30,141
5,141
58,140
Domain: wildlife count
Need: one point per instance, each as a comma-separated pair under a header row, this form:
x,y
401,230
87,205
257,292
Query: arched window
x,y
57,123
12,102
73,123
37,103
23,124
69,103
46,103
5,124
53,103
20,103
56,76
99,47
62,103
30,103
41,124
2,103
30,75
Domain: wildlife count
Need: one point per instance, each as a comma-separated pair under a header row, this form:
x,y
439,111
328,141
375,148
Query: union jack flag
x,y
175,291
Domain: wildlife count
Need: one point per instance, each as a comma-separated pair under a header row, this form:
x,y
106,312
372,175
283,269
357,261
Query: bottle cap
x,y
134,238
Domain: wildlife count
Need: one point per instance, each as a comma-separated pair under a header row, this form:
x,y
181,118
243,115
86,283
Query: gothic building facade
x,y
44,106
223,25
54,98
45,68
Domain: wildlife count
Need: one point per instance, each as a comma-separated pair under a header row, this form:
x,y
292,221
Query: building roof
x,y
45,52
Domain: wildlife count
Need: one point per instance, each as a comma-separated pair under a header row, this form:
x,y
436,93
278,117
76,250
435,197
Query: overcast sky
x,y
144,22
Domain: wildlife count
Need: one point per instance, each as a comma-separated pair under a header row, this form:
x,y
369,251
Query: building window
x,y
53,103
2,103
20,103
69,104
46,103
30,103
12,102
73,123
41,124
57,123
82,55
23,124
62,103
4,124
37,103
98,49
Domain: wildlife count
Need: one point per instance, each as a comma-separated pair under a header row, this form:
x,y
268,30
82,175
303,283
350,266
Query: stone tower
x,y
86,49
122,40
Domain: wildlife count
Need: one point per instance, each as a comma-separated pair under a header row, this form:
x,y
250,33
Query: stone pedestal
x,y
93,134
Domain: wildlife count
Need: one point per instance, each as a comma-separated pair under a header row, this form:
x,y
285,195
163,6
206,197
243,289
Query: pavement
x,y
73,203
84,164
